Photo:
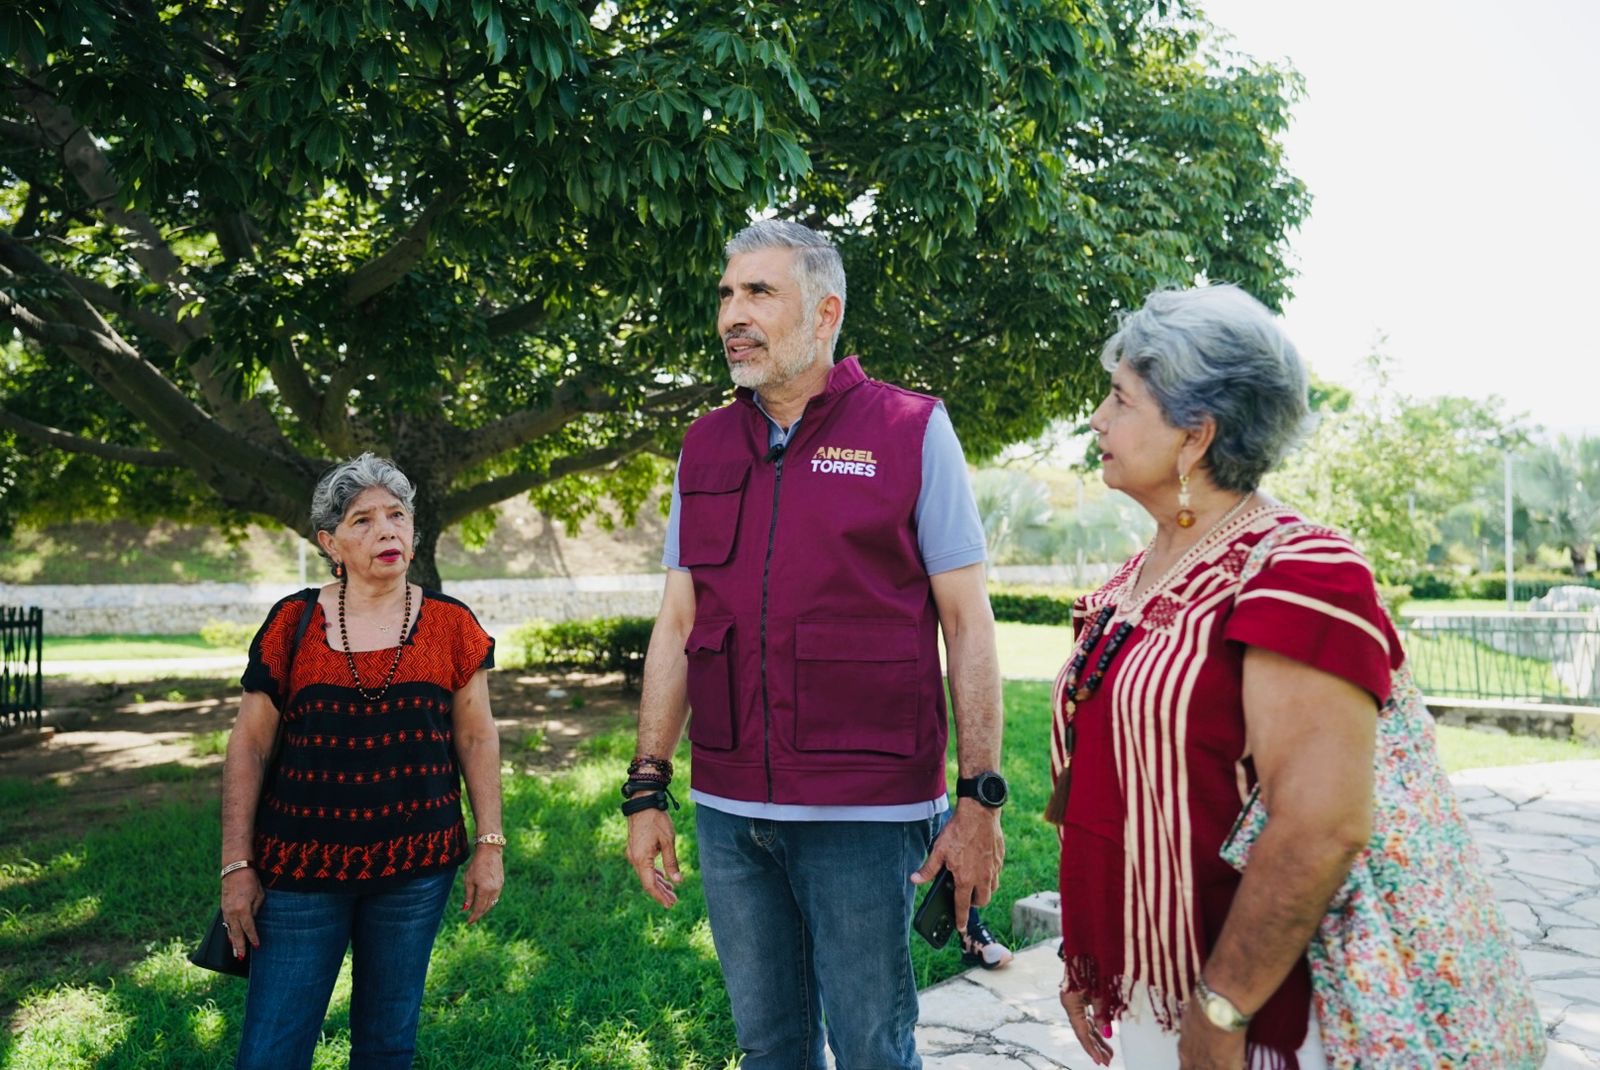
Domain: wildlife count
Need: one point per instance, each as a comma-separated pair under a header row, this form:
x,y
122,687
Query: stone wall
x,y
179,609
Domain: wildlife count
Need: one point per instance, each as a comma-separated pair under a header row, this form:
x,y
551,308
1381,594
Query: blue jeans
x,y
303,940
811,921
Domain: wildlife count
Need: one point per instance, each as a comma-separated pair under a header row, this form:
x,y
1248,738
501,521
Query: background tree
x,y
240,238
1388,469
1560,485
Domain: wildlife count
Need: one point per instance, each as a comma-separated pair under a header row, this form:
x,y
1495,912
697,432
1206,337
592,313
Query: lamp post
x,y
1511,587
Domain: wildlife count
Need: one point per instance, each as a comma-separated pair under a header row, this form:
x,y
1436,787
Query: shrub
x,y
1033,605
1531,583
599,644
227,634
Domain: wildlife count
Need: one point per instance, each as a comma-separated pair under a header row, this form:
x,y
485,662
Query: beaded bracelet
x,y
662,765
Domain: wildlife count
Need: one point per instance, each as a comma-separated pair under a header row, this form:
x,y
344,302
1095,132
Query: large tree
x,y
239,238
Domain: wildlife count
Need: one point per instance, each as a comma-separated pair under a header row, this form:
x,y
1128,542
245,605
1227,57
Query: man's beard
x,y
784,363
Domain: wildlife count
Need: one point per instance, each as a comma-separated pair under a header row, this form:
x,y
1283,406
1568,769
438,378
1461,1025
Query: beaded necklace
x,y
1078,689
350,659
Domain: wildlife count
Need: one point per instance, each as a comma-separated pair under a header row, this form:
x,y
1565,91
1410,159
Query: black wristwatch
x,y
988,788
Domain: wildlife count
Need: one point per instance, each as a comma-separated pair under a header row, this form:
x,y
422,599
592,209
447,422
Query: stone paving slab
x,y
1538,829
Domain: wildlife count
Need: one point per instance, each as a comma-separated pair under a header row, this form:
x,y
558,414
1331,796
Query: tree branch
x,y
20,257
216,452
517,319
66,440
522,427
60,334
22,134
89,167
389,267
464,503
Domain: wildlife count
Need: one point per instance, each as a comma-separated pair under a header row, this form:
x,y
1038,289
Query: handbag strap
x,y
308,598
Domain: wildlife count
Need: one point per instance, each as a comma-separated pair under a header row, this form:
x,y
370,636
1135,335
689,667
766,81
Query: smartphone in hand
x,y
935,918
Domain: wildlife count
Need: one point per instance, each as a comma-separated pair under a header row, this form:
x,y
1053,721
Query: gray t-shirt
x,y
949,536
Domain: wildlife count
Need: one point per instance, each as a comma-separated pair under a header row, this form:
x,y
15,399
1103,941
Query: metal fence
x,y
21,667
1532,657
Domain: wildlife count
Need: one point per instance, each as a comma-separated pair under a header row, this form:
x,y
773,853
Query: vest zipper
x,y
766,575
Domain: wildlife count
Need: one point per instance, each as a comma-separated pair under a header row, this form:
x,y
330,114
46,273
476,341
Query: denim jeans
x,y
303,940
811,922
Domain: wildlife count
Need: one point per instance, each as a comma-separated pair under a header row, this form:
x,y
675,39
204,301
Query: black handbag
x,y
216,951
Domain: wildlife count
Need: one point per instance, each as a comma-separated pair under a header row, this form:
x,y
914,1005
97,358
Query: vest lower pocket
x,y
856,686
712,703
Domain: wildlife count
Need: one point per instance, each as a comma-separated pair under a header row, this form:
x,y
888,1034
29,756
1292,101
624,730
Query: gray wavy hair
x,y
1216,351
818,268
344,483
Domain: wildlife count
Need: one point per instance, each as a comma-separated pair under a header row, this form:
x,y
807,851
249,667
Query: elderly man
x,y
822,533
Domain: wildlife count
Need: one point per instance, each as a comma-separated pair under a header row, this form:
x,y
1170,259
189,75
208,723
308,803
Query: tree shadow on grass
x,y
575,968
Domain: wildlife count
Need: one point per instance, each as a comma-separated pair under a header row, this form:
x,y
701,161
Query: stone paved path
x,y
1538,827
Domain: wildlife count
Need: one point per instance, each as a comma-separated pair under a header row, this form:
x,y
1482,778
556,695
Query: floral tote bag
x,y
1413,965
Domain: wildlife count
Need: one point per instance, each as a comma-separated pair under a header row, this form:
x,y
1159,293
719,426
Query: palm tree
x,y
1561,487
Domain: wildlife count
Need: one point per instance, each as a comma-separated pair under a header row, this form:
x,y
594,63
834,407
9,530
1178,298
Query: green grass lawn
x,y
575,969
1418,606
127,647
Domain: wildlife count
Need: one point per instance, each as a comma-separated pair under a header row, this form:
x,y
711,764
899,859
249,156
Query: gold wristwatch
x,y
1218,1009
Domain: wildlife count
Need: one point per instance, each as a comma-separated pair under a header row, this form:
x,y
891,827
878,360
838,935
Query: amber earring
x,y
338,566
1185,514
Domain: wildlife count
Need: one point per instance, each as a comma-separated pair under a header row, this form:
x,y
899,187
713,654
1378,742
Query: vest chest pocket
x,y
711,692
709,497
856,686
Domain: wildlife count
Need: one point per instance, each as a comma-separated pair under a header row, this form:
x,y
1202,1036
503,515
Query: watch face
x,y
1217,1013
991,789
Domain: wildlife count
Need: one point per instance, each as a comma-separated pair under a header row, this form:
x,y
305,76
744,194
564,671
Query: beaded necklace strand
x,y
350,659
1077,689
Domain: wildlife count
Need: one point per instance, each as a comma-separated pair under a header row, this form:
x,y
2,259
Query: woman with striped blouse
x,y
1190,683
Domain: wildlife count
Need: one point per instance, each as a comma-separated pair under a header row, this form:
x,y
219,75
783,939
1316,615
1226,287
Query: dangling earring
x,y
338,568
1185,514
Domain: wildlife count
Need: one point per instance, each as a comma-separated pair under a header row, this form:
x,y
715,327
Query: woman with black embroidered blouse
x,y
351,835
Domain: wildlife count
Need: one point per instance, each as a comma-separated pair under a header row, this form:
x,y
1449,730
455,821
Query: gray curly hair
x,y
1216,351
344,483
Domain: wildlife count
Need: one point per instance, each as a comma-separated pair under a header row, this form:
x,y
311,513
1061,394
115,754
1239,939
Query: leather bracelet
x,y
234,867
493,839
638,784
656,800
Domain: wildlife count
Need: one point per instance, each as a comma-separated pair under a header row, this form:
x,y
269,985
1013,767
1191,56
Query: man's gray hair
x,y
1216,351
345,482
818,268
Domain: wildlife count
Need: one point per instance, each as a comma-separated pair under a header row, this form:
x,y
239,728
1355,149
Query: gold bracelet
x,y
493,839
243,863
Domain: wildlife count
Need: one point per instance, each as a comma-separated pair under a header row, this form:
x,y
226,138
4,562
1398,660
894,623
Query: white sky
x,y
1453,153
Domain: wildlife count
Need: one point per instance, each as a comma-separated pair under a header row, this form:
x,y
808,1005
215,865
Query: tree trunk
x,y
1580,560
424,569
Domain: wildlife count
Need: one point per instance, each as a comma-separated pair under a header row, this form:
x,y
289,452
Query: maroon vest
x,y
814,671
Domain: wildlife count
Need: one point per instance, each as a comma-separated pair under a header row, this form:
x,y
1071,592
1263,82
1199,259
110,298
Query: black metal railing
x,y
1531,657
21,667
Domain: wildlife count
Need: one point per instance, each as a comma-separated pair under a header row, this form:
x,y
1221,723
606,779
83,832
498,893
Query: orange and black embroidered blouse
x,y
364,794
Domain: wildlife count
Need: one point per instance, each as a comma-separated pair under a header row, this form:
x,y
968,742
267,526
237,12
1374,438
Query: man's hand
x,y
650,834
972,848
1202,1046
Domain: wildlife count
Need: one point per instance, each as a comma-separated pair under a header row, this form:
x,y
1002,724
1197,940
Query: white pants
x,y
1145,1046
